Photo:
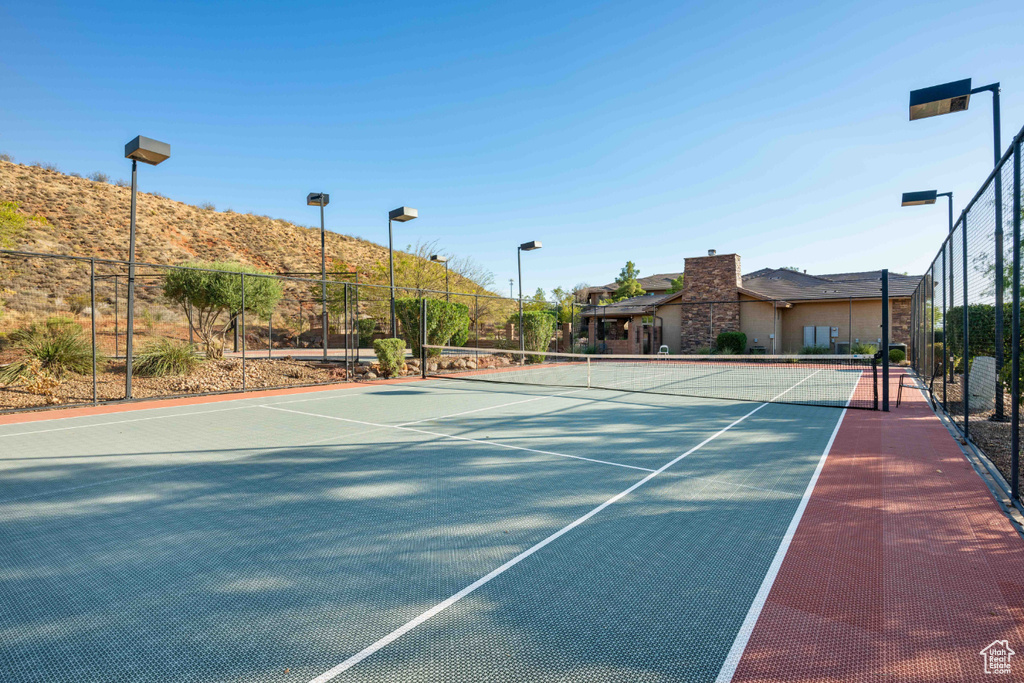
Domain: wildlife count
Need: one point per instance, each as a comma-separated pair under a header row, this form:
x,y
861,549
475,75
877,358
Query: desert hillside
x,y
90,218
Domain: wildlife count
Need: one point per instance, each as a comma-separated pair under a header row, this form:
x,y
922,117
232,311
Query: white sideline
x,y
441,606
739,645
457,438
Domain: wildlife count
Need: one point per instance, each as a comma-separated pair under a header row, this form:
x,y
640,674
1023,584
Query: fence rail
x,y
271,336
966,318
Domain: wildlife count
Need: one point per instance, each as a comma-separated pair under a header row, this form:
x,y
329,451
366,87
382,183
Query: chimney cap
x,y
712,252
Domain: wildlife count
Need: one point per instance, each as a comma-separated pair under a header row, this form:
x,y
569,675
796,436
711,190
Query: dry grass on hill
x,y
90,218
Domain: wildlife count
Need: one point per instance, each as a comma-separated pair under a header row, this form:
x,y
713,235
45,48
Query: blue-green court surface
x,y
430,531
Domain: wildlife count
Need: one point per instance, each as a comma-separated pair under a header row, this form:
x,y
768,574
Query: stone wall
x,y
709,279
899,318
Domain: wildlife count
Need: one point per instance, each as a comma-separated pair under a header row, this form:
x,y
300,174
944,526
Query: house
x,y
780,310
997,656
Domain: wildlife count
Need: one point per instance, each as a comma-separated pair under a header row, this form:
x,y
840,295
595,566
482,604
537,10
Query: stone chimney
x,y
710,299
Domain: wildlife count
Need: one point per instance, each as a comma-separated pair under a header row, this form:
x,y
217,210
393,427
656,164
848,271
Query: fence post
x,y
348,329
885,341
242,315
423,338
117,315
945,336
967,346
1015,332
270,335
92,307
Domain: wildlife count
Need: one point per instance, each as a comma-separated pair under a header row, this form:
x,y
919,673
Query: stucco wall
x,y
756,322
867,319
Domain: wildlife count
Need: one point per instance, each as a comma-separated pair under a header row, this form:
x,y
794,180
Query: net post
x,y
1015,332
92,309
885,340
348,329
874,382
588,372
423,338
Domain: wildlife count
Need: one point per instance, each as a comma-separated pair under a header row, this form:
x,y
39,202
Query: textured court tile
x,y
651,589
903,567
237,569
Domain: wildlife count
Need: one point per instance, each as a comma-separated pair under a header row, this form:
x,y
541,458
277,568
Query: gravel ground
x,y
210,377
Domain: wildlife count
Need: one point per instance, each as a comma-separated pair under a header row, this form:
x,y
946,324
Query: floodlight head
x,y
147,150
403,214
530,246
438,258
919,198
940,99
314,199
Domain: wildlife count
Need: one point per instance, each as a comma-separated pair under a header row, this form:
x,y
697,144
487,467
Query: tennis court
x,y
432,530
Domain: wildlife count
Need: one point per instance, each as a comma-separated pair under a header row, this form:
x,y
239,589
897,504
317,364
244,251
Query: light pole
x,y
150,152
920,199
511,284
401,214
322,199
525,246
437,258
949,98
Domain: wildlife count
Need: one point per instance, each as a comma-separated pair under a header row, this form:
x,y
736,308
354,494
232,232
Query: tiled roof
x,y
637,305
779,283
656,283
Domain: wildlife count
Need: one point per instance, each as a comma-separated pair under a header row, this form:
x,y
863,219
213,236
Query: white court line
x,y
441,606
732,659
458,438
342,393
258,451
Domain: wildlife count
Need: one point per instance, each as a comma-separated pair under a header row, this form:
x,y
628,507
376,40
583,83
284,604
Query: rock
x,y
370,375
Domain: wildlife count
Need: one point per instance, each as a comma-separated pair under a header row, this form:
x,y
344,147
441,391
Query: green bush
x,y
444,319
897,356
390,356
938,357
207,291
737,341
461,335
538,328
59,347
366,327
814,350
165,357
702,351
864,349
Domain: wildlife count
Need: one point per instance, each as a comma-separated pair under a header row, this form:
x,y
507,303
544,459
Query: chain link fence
x,y
965,318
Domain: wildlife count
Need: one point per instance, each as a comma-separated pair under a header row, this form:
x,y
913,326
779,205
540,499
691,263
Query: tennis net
x,y
820,380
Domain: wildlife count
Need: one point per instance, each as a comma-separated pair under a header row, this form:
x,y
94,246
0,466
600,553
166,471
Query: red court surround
x,y
903,567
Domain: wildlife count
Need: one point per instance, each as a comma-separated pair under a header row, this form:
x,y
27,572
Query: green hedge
x,y
366,327
444,320
538,328
981,323
390,356
897,356
737,341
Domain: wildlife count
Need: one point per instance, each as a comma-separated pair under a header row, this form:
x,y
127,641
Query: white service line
x,y
458,438
334,393
260,451
441,606
732,659
480,410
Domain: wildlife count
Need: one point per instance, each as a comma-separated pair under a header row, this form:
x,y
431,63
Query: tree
x,y
628,286
675,284
206,291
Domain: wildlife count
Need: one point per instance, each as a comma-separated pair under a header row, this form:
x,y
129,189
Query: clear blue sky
x,y
609,131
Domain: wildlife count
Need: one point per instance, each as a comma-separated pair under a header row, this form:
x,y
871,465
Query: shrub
x,y
207,206
211,294
77,303
99,177
365,329
121,182
56,348
897,356
461,334
737,341
390,355
702,351
864,349
939,352
538,328
814,350
6,157
165,357
444,319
